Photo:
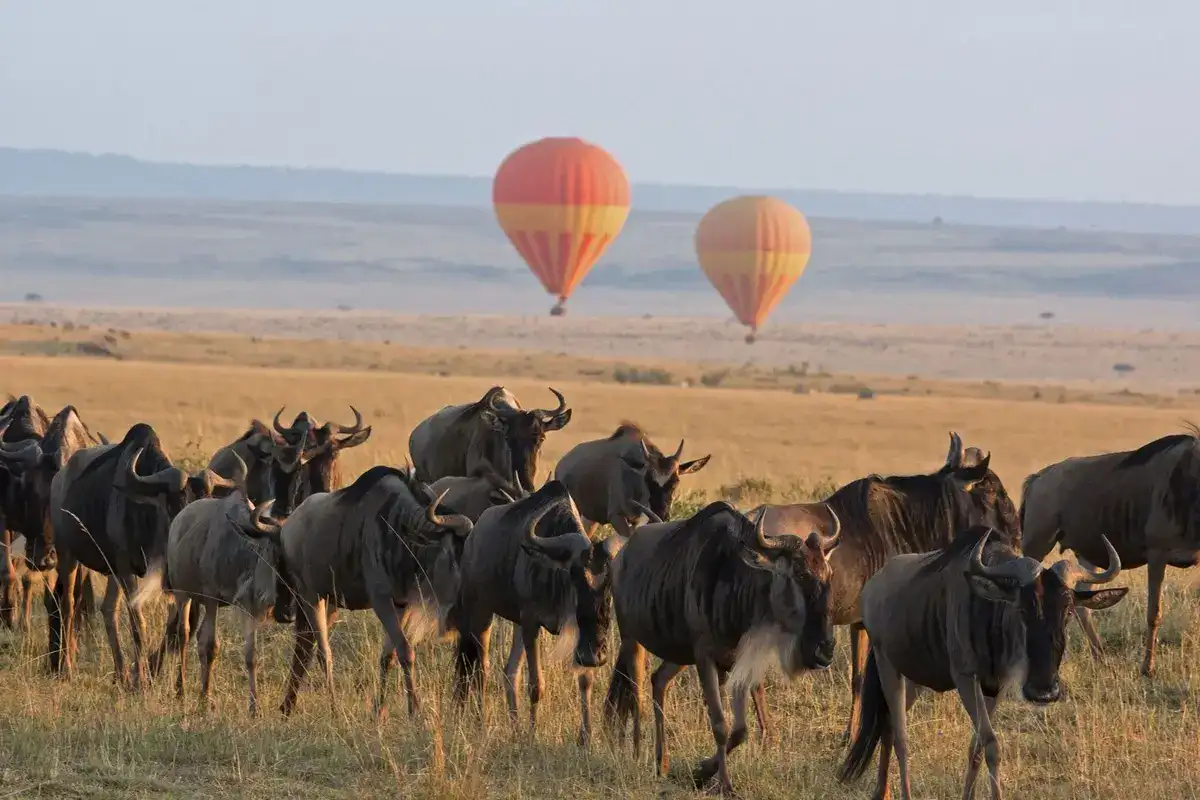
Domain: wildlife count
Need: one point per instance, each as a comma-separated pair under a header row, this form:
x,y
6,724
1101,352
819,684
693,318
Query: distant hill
x,y
57,173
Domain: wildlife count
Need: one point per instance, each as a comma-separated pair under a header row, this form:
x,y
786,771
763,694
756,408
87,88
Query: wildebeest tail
x,y
874,720
152,584
468,663
1025,487
623,689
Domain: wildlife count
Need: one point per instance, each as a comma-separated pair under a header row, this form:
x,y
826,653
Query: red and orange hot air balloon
x,y
753,248
561,201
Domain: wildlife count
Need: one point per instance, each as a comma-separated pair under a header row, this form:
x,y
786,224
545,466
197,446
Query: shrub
x,y
655,376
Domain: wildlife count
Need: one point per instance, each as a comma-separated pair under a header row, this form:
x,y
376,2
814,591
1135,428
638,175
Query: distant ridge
x,y
25,172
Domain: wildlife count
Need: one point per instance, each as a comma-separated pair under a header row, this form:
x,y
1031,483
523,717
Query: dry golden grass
x,y
1116,734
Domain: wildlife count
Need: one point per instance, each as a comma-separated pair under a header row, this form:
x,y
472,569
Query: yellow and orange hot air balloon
x,y
753,248
561,201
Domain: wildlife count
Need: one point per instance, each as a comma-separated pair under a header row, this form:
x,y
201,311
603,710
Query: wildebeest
x,y
255,448
609,478
379,543
110,509
1147,500
471,495
32,465
494,429
976,617
22,421
715,590
306,462
220,552
531,563
883,517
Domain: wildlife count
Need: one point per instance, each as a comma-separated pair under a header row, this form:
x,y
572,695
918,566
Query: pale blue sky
x,y
1086,99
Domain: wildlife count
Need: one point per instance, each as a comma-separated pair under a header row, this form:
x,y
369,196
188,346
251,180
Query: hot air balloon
x,y
561,201
752,249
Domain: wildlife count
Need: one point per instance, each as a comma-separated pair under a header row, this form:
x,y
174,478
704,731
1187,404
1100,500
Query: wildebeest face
x,y
800,574
524,432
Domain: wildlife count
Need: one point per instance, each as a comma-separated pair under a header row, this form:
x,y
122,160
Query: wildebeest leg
x,y
975,754
977,707
8,597
760,712
170,639
1155,572
302,655
185,629
894,690
57,612
512,671
206,641
709,766
660,681
625,692
529,632
470,659
586,679
137,625
331,615
321,619
859,649
710,683
395,646
249,657
109,610
27,584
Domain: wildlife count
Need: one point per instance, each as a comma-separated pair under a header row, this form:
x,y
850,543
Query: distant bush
x,y
1123,368
654,376
866,394
714,379
33,297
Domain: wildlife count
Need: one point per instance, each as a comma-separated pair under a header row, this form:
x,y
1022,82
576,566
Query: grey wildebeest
x,y
610,478
254,449
22,421
1146,500
220,552
975,617
882,517
380,544
716,591
110,509
32,465
531,563
494,429
471,495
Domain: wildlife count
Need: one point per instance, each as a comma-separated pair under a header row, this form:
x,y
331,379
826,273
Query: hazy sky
x,y
1087,99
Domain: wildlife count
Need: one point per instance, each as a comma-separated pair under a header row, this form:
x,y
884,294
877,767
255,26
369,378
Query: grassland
x,y
1115,734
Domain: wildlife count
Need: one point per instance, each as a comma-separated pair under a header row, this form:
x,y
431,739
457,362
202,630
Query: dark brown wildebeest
x,y
609,478
255,448
220,552
716,591
379,543
976,617
883,517
531,563
494,429
110,509
22,421
472,495
32,464
1147,500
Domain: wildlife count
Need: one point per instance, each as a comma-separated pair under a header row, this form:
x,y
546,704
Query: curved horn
x,y
559,547
503,411
1093,576
650,515
955,454
282,431
356,427
678,451
1022,570
832,541
169,477
766,544
458,523
562,404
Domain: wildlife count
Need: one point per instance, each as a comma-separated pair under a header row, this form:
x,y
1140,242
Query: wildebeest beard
x,y
421,562
661,495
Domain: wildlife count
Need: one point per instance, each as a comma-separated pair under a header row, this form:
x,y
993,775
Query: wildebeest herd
x,y
938,577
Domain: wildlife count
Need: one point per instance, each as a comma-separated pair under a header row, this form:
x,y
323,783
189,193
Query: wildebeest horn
x,y
503,411
1086,574
562,405
235,481
650,515
827,543
954,455
560,548
769,545
261,523
1022,570
170,478
460,524
282,431
678,451
356,427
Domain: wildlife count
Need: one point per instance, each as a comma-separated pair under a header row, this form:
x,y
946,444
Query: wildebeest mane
x,y
963,543
628,428
1148,451
257,428
362,486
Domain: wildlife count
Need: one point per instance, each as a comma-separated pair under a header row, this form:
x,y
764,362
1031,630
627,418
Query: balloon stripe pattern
x,y
561,202
753,249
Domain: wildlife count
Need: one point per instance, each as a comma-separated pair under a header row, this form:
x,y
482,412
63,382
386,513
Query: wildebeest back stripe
x,y
1148,451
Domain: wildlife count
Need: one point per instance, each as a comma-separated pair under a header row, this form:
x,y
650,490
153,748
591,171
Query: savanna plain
x,y
1115,733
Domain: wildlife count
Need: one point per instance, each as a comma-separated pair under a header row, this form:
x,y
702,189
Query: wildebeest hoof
x,y
703,775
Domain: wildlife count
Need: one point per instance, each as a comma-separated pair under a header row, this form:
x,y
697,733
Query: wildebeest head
x,y
555,540
437,539
321,459
257,523
1045,598
799,596
168,486
523,431
287,461
662,471
990,503
21,419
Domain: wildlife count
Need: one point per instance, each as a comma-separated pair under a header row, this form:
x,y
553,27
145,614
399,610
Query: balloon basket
x,y
751,337
560,309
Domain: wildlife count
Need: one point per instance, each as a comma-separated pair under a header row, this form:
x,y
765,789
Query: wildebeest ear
x,y
990,590
968,477
688,467
1100,599
492,420
558,421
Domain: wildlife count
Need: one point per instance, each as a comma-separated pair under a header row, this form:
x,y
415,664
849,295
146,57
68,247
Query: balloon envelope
x,y
752,249
561,201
